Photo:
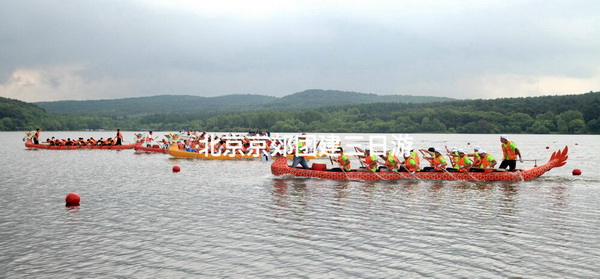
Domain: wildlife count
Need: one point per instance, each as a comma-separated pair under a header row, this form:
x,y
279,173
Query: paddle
x,y
451,175
343,169
409,172
361,162
467,172
374,172
424,157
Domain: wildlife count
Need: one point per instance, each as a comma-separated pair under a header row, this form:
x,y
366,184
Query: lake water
x,y
234,219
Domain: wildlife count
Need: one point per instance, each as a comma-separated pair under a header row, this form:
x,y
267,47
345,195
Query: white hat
x,y
460,151
454,149
503,137
481,151
406,154
477,148
367,149
438,150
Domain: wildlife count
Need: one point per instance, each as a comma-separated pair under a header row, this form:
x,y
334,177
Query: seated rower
x,y
165,144
437,161
343,160
463,163
415,156
392,163
475,155
453,155
370,160
409,164
487,162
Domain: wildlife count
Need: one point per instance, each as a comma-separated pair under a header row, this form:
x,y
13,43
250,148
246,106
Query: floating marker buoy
x,y
72,199
176,168
576,143
547,147
576,172
468,143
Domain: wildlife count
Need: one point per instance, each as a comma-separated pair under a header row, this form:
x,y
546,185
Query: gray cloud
x,y
53,50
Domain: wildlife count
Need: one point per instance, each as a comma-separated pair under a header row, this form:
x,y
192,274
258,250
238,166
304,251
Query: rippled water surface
x,y
234,219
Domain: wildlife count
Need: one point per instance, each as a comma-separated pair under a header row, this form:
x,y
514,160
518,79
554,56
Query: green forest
x,y
566,114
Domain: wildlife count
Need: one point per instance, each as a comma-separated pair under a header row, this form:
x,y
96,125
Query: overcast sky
x,y
76,50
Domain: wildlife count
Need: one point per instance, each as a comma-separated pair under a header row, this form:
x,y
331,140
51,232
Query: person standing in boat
x,y
36,136
149,139
119,137
510,152
299,151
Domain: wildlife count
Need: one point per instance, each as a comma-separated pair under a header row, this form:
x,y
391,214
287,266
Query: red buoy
x,y
72,199
547,147
176,168
576,172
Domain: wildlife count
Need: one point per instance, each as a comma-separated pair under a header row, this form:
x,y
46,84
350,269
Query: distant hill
x,y
308,99
157,104
18,115
316,98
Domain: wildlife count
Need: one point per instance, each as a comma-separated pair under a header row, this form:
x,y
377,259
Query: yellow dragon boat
x,y
175,152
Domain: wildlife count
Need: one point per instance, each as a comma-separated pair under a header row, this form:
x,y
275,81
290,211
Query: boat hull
x,y
140,147
280,167
29,144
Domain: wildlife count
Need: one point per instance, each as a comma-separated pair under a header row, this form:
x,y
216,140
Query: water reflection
x,y
559,196
290,195
341,191
509,199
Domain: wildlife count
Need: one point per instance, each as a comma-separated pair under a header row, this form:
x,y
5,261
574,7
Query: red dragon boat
x,y
141,147
558,159
29,144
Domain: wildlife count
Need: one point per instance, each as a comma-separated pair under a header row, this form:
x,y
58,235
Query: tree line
x,y
568,114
